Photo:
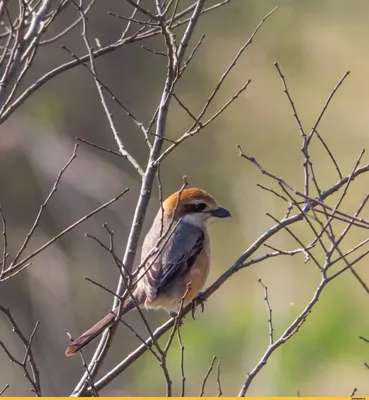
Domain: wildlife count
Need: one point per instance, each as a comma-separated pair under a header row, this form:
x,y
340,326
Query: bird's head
x,y
195,206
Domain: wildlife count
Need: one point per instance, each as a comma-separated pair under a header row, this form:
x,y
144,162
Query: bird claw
x,y
198,301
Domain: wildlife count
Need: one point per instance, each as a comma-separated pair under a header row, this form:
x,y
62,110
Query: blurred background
x,y
314,42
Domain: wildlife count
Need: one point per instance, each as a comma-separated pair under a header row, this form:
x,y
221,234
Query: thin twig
x,y
191,132
163,362
3,389
220,392
85,366
304,147
137,36
5,242
271,191
270,311
202,390
364,339
98,147
28,359
17,267
324,109
43,206
109,115
329,153
182,349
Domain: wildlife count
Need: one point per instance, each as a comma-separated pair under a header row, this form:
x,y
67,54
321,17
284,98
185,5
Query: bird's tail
x,y
95,331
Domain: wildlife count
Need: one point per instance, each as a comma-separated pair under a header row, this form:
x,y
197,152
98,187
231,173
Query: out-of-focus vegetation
x,y
314,42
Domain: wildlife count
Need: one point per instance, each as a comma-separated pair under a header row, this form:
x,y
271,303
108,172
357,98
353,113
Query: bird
x,y
175,274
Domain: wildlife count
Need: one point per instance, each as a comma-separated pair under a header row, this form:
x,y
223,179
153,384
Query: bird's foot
x,y
198,301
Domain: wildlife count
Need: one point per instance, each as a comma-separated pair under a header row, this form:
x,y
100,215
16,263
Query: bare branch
x,y
289,332
201,125
4,389
183,376
270,320
68,28
28,359
163,362
99,147
20,265
324,109
272,191
304,148
85,366
5,242
232,65
109,115
137,36
42,208
220,392
330,154
202,390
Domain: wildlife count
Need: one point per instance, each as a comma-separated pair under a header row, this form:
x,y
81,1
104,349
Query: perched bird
x,y
180,264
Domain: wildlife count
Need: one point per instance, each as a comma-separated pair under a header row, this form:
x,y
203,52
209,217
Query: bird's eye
x,y
200,206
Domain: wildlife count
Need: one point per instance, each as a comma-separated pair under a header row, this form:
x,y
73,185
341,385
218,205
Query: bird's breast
x,y
196,276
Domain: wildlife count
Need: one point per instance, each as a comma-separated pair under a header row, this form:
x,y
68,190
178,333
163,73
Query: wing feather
x,y
177,256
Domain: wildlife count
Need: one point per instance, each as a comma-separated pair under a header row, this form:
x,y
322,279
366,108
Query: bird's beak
x,y
220,212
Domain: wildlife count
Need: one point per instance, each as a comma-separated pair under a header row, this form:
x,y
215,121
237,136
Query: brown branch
x,y
220,392
28,359
42,208
5,242
69,28
143,10
312,202
137,36
288,333
85,366
202,390
140,338
136,21
324,109
98,147
232,65
20,265
182,349
329,153
272,191
200,125
123,151
304,147
269,308
298,240
164,354
192,54
98,81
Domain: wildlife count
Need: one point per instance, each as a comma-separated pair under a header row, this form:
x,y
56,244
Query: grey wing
x,y
176,258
